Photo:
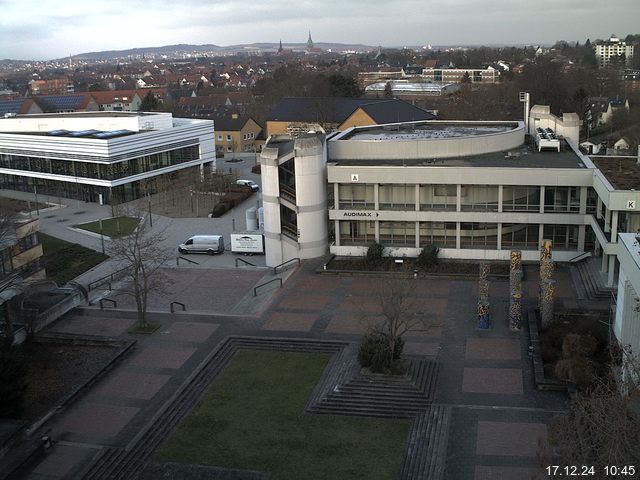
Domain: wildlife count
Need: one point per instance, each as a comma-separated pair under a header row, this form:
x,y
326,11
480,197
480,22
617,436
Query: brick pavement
x,y
485,376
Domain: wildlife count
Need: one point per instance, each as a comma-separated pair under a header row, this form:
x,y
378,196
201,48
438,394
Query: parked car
x,y
249,183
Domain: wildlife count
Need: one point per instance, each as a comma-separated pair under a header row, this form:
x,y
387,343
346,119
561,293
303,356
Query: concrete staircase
x,y
426,452
387,396
589,281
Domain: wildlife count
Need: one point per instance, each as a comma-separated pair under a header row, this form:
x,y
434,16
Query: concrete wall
x,y
355,149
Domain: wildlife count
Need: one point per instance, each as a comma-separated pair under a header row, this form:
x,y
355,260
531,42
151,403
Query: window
x,y
479,235
517,198
438,197
520,235
219,138
397,197
228,138
440,234
357,232
356,196
480,198
399,234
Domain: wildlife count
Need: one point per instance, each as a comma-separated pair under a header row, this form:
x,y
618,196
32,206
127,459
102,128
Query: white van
x,y
249,183
210,244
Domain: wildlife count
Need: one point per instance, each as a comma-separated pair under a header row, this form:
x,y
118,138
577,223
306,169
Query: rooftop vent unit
x,y
546,138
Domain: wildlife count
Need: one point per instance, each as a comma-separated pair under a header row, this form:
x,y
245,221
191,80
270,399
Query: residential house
x,y
118,100
296,115
236,133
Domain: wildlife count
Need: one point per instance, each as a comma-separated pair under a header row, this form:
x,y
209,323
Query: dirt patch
x,y
55,370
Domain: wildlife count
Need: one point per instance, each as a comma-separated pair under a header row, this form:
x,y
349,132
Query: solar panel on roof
x,y
83,133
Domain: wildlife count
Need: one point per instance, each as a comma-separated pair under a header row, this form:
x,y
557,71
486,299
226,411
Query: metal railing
x,y
255,290
113,303
582,256
186,259
283,264
243,261
171,306
107,279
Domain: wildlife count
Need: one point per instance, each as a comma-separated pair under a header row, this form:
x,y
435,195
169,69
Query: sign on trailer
x,y
247,243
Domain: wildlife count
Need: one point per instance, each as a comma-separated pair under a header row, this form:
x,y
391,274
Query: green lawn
x,y
64,261
253,418
112,227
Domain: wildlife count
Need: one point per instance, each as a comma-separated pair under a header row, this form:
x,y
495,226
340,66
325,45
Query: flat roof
x,y
526,156
102,113
622,173
428,130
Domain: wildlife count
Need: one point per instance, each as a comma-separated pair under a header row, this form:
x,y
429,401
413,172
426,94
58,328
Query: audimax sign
x,y
360,214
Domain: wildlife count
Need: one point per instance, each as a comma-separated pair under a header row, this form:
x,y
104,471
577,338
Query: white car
x,y
249,183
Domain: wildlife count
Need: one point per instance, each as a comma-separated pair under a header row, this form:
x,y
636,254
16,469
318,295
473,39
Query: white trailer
x,y
247,242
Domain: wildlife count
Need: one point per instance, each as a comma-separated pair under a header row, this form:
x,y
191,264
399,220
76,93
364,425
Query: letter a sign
x,y
354,177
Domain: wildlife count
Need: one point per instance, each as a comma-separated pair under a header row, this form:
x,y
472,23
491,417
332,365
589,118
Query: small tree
x,y
149,103
374,256
428,256
142,254
388,92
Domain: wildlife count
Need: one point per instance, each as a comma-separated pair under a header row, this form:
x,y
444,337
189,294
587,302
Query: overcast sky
x,y
49,29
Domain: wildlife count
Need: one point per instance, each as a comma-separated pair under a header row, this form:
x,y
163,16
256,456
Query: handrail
x,y
184,258
106,279
255,290
582,256
184,308
275,269
243,261
113,302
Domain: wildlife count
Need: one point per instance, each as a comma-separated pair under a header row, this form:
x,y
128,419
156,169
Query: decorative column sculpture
x,y
515,291
546,302
546,266
484,322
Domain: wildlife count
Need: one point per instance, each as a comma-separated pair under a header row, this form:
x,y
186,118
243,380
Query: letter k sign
x,y
631,204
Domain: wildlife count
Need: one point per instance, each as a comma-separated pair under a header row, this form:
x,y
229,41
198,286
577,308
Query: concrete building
x,y
477,190
101,156
612,49
626,326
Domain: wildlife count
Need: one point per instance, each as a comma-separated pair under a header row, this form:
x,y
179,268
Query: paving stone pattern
x,y
489,416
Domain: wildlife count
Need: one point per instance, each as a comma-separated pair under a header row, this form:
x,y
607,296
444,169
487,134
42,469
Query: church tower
x,y
309,41
280,47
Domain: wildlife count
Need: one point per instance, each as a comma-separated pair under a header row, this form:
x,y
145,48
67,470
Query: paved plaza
x,y
499,419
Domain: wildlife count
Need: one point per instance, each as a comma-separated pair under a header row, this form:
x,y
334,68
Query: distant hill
x,y
183,49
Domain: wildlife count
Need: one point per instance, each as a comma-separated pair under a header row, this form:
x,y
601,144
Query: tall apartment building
x,y
611,49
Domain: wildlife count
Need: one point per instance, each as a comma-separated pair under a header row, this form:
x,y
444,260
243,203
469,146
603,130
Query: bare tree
x,y
142,254
9,280
602,426
397,300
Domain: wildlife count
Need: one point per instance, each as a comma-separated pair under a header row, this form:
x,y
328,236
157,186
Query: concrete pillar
x,y
612,270
458,198
542,199
599,208
417,197
540,234
499,245
607,220
500,195
458,235
377,230
614,226
336,196
605,259
581,237
376,197
336,229
584,191
417,234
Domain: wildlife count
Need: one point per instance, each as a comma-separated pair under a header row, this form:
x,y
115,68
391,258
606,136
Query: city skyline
x,y
71,27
